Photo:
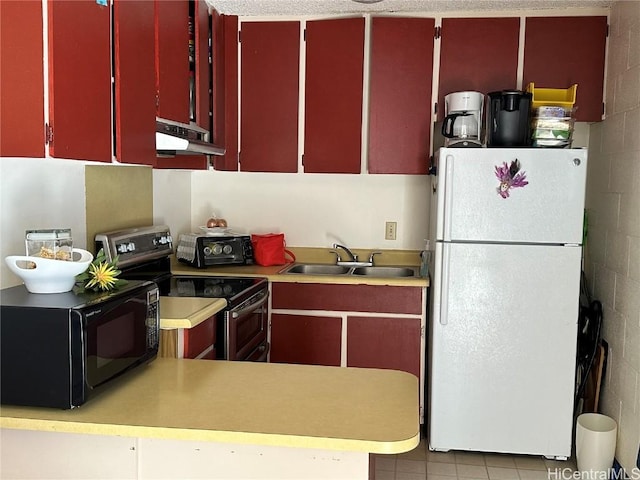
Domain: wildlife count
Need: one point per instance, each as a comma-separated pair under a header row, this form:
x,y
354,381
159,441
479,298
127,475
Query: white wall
x,y
172,200
613,241
316,210
38,193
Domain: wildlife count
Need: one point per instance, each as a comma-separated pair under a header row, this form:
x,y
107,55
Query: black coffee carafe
x,y
508,119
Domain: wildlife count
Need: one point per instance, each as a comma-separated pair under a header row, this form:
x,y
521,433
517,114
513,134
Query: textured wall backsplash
x,y
117,196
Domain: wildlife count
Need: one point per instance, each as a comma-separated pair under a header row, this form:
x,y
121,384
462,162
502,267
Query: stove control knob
x,y
207,250
122,248
131,247
227,249
163,240
217,249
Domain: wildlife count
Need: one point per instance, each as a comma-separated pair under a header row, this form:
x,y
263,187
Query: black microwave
x,y
57,350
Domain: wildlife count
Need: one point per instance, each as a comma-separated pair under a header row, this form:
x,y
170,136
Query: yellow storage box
x,y
561,97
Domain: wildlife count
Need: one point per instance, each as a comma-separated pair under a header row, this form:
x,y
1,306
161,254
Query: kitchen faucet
x,y
354,258
336,246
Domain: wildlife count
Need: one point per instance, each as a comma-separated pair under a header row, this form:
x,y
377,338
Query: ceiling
x,y
323,7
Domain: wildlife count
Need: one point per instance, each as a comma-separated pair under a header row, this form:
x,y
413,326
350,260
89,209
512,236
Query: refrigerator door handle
x,y
448,198
444,285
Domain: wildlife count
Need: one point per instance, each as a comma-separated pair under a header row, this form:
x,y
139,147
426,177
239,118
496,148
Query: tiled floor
x,y
421,464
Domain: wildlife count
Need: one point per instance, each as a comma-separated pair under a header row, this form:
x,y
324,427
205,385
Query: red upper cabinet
x,y
400,94
172,59
269,94
21,79
478,54
183,71
135,107
225,89
79,79
202,66
562,51
333,95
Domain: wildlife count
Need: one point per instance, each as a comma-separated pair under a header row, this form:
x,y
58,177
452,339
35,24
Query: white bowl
x,y
49,276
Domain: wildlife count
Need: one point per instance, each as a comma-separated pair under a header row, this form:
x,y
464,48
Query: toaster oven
x,y
203,251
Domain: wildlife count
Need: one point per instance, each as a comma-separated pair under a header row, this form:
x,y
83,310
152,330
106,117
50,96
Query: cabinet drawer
x,y
351,298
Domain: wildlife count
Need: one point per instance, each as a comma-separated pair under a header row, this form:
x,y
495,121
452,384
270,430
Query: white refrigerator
x,y
505,298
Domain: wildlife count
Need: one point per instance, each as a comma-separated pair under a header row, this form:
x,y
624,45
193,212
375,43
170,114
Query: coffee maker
x,y
508,117
462,125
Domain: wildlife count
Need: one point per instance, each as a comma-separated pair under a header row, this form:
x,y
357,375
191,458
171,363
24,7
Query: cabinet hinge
x,y
48,134
435,108
304,35
239,36
422,331
437,32
606,34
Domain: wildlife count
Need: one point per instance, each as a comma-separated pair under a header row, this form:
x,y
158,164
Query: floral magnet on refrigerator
x,y
510,177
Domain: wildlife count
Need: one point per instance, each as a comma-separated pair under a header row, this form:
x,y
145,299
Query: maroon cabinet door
x,y
478,54
392,343
305,339
400,94
135,107
200,338
562,51
333,95
202,66
225,89
80,79
21,79
174,72
269,96
172,59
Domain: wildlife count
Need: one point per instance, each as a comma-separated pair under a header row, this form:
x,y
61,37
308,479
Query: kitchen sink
x,y
322,269
313,269
385,271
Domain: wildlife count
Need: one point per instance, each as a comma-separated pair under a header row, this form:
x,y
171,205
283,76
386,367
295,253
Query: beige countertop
x,y
187,312
351,409
314,255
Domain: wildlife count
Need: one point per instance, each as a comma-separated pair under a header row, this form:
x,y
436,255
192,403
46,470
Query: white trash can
x,y
595,445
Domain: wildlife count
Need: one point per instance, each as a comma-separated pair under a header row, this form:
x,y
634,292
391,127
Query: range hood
x,y
175,138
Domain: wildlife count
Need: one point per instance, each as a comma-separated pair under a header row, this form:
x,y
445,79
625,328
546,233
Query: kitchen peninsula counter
x,y
273,408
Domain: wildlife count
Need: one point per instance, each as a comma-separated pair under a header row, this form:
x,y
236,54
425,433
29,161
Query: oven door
x,y
246,329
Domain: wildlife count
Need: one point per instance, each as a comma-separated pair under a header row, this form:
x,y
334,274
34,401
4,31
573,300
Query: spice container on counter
x,y
55,244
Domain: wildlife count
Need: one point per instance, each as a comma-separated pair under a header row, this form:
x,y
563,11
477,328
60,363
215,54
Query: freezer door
x,y
502,348
511,195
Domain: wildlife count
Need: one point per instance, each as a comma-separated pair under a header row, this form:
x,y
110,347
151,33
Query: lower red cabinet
x,y
384,342
306,339
369,326
196,342
374,326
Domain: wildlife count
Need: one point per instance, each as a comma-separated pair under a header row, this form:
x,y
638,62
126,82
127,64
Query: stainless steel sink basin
x,y
385,271
313,269
323,269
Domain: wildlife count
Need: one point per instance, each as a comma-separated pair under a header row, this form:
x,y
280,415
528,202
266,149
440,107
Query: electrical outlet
x,y
390,230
